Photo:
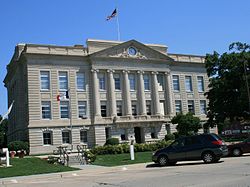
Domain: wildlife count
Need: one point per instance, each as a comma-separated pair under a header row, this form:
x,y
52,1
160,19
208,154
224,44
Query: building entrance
x,y
138,138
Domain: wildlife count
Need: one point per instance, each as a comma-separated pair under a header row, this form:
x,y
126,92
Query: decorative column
x,y
96,94
126,93
169,92
141,94
155,94
111,93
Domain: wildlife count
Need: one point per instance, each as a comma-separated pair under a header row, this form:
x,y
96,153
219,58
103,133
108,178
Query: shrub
x,y
90,157
112,141
18,145
124,148
169,137
53,160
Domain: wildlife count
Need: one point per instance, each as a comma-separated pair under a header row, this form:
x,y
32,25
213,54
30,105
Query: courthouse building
x,y
126,90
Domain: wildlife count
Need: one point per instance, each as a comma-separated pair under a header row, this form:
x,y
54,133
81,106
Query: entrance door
x,y
137,131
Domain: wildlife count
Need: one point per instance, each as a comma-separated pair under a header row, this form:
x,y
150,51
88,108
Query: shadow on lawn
x,y
180,164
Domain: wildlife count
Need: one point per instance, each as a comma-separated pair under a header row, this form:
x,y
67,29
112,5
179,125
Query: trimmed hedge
x,y
18,146
112,141
124,148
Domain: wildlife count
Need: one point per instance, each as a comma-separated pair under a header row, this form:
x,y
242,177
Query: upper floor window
x,y
132,81
44,80
103,108
191,106
188,83
178,108
47,138
203,108
119,108
117,81
176,83
200,84
101,77
134,108
160,80
146,82
148,107
63,80
84,136
64,109
46,110
82,109
80,81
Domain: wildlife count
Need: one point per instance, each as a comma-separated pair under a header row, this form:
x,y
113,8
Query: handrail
x,y
63,153
81,149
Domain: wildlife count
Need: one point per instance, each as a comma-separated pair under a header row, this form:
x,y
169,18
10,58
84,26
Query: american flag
x,y
112,15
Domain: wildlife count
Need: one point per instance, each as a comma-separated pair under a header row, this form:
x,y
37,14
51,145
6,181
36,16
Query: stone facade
x,y
116,89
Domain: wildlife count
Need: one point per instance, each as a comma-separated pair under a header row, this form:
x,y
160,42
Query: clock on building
x,y
132,51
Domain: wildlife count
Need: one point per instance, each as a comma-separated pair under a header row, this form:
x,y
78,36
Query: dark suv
x,y
207,147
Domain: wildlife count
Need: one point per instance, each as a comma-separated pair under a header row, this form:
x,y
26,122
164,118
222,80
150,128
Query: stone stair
x,y
76,160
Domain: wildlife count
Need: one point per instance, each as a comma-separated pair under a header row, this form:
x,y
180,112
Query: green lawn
x,y
31,166
122,159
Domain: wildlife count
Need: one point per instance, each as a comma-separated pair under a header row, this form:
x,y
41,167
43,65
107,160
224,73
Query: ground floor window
x,y
124,134
108,132
66,137
47,138
84,136
153,133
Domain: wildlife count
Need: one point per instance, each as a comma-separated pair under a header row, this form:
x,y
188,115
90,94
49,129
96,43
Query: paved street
x,y
230,172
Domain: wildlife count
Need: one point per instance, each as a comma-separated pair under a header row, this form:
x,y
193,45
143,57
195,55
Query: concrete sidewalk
x,y
86,170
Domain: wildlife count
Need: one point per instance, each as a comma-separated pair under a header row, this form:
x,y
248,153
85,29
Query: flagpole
x,y
70,119
118,25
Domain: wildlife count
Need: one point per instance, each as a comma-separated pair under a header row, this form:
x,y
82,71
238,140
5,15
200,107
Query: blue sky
x,y
189,27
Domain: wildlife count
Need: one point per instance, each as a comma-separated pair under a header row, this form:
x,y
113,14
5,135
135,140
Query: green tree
x,y
3,132
228,85
187,124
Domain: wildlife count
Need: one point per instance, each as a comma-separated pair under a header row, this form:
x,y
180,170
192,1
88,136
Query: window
x,y
44,80
119,108
46,110
82,109
148,107
63,81
80,81
191,106
178,108
203,108
83,136
64,109
101,77
188,83
153,133
176,84
103,108
108,132
124,134
66,137
132,81
200,84
134,111
47,138
160,81
146,82
117,81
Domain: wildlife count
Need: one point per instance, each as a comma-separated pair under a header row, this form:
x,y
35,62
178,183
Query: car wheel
x,y
163,160
208,157
236,152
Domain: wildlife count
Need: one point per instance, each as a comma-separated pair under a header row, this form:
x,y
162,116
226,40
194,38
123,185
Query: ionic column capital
x,y
154,72
125,71
110,71
94,70
140,72
167,73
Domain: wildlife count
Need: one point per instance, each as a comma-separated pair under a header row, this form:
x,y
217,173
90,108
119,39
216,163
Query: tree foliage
x,y
229,76
187,124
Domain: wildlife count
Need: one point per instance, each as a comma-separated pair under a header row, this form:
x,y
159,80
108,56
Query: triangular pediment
x,y
141,51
